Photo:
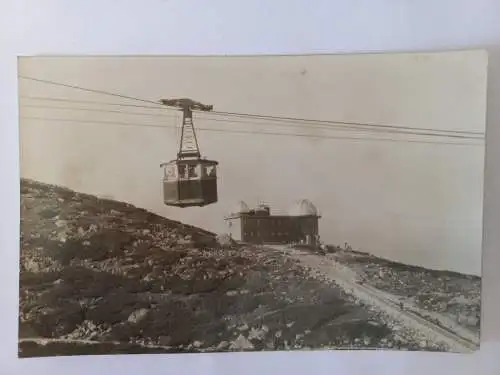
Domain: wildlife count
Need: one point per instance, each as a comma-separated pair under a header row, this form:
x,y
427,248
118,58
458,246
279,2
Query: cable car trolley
x,y
189,180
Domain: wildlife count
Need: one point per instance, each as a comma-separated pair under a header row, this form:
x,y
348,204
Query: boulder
x,y
225,241
241,343
222,345
137,315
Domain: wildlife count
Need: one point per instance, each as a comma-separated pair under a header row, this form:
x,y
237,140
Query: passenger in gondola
x,y
182,171
192,171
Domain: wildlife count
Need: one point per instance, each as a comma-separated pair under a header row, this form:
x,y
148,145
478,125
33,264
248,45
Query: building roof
x,y
240,207
303,207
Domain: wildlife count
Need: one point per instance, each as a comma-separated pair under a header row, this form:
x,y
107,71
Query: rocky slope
x,y
102,277
450,294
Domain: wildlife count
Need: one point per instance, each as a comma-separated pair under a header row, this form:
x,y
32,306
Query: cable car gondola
x,y
189,180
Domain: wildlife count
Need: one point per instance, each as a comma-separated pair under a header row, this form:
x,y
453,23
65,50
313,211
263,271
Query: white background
x,y
250,27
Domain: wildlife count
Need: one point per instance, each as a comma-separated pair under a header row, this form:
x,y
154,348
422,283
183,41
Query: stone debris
x,y
137,315
241,343
257,334
88,330
452,295
243,327
197,344
222,345
225,241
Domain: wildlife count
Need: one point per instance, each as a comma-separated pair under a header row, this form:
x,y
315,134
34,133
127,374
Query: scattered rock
x,y
243,327
62,237
443,306
241,343
31,265
222,345
137,315
197,344
256,334
225,241
60,223
472,321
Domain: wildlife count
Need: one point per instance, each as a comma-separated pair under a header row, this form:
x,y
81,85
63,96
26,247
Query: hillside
x,y
453,295
102,277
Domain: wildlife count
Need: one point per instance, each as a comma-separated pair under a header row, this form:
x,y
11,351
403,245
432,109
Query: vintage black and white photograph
x,y
190,204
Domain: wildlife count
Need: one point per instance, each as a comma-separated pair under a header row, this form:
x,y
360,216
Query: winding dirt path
x,y
457,338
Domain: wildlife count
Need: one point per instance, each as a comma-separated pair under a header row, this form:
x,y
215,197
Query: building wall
x,y
308,225
234,228
270,229
277,229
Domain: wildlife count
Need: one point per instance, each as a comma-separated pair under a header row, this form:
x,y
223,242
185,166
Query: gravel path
x,y
455,337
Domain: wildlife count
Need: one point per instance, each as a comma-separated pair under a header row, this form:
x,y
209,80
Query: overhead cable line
x,y
287,122
52,99
319,126
254,116
246,131
102,110
89,90
269,117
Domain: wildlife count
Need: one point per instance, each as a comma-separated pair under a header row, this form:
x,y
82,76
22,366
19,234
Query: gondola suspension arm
x,y
188,146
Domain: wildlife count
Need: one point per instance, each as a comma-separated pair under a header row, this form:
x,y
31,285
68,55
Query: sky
x,y
419,203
